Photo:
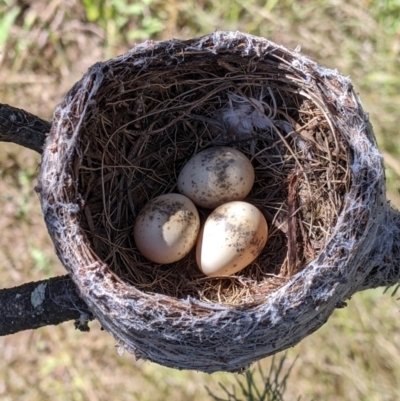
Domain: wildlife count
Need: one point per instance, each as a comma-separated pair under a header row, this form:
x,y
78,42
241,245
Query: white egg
x,y
232,237
166,229
215,176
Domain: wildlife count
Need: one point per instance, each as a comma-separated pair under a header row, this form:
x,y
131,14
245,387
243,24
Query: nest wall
x,y
121,136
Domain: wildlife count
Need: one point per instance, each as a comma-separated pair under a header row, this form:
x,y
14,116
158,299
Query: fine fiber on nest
x,y
120,138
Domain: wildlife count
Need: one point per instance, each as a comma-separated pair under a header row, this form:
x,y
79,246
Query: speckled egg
x,y
215,176
232,237
166,229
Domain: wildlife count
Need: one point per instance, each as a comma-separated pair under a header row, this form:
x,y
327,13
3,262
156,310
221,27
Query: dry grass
x,y
156,128
45,48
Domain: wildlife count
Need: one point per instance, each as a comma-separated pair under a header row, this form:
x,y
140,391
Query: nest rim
x,y
88,268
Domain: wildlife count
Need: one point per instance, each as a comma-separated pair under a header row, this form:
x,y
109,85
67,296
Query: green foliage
x,y
265,387
387,12
41,261
25,179
7,19
133,18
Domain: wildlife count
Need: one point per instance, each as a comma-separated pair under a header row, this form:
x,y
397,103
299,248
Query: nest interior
x,y
152,115
121,136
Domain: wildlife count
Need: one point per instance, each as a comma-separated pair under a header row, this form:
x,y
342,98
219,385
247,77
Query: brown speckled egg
x,y
166,229
215,176
232,237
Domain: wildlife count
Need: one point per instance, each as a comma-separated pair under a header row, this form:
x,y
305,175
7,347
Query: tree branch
x,y
22,128
46,302
42,303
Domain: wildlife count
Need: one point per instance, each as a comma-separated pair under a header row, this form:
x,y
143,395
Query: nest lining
x,y
188,333
148,124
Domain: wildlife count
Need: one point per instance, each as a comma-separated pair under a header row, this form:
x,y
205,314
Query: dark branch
x,y
46,302
22,128
42,303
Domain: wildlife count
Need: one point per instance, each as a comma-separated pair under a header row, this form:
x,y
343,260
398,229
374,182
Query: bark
x,y
56,300
42,303
22,128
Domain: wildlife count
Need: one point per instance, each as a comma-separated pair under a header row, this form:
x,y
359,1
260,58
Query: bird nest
x,y
120,138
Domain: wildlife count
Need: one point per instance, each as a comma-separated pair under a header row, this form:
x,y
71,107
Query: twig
x,y
22,128
42,303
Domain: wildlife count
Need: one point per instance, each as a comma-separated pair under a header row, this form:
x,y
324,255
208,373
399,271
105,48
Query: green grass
x,y
46,46
258,384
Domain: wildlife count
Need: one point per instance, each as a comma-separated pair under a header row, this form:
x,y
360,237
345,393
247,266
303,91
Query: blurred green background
x,y
46,46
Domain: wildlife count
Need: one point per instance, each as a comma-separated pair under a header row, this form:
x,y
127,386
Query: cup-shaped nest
x,y
122,135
